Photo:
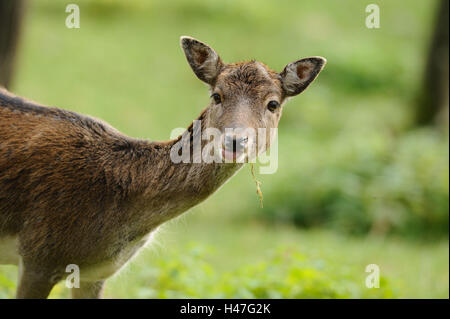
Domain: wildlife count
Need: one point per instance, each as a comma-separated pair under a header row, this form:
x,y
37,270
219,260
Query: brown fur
x,y
74,190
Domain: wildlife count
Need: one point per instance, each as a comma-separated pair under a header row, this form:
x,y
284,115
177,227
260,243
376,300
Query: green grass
x,y
342,143
408,270
194,257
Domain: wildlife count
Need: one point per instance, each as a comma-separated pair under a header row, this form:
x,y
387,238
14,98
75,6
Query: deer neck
x,y
169,189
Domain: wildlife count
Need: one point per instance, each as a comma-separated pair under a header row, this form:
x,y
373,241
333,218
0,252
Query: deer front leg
x,y
33,283
88,290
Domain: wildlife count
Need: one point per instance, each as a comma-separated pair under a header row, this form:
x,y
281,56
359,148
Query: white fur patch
x,y
109,268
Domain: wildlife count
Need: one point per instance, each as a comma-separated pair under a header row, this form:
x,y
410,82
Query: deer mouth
x,y
234,150
230,155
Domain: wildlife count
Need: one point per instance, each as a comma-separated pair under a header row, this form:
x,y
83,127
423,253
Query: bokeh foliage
x,y
350,157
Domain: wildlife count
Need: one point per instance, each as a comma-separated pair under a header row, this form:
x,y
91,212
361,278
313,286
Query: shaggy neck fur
x,y
160,189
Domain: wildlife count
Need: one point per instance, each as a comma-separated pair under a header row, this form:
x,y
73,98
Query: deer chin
x,y
232,157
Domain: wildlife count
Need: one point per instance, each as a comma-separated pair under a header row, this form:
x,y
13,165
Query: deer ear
x,y
204,61
297,75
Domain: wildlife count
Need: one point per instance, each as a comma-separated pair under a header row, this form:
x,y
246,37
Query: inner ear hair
x,y
204,61
298,75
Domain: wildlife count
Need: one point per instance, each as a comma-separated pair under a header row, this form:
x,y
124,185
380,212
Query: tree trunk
x,y
11,12
434,99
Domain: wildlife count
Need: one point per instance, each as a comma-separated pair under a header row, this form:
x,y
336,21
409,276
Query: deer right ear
x,y
204,61
297,75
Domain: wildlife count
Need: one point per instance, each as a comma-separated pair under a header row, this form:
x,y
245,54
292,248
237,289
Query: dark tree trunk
x,y
434,99
11,12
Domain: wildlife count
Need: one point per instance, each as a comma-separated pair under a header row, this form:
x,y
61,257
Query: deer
x,y
76,191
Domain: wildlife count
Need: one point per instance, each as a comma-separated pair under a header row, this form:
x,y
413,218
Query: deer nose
x,y
235,143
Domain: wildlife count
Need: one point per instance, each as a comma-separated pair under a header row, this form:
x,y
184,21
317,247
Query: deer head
x,y
247,98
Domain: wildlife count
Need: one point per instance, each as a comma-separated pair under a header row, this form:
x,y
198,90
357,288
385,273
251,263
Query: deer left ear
x,y
204,61
297,75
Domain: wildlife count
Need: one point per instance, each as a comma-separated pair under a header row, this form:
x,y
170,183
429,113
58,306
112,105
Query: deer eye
x,y
217,98
273,105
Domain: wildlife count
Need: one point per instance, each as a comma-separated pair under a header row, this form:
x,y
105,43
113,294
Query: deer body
x,y
74,190
128,186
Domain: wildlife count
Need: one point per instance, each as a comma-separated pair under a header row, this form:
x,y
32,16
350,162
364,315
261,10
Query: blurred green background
x,y
358,182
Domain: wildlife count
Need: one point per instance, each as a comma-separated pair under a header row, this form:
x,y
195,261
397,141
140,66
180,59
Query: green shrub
x,y
286,273
367,183
7,282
